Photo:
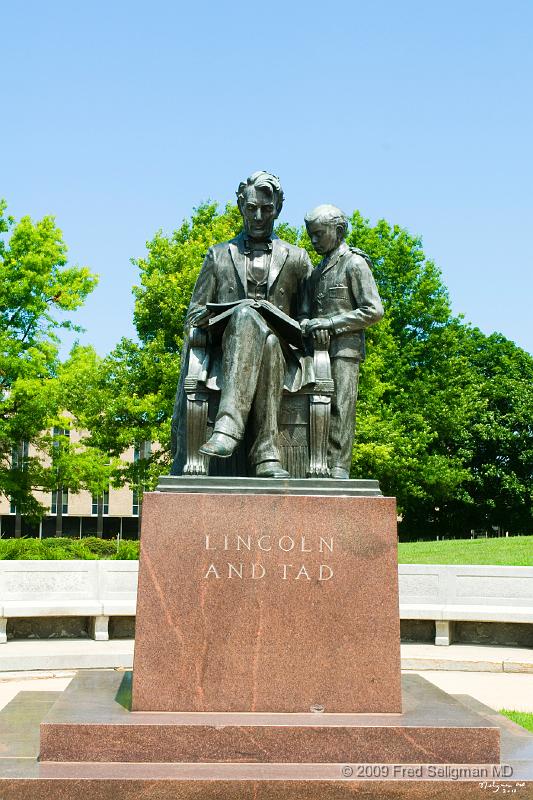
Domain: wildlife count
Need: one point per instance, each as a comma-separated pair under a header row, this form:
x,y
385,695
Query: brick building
x,y
82,514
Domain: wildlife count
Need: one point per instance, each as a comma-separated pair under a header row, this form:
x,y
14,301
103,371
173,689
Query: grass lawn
x,y
514,551
520,717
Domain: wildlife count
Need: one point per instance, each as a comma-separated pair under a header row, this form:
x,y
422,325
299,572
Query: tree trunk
x,y
18,525
100,520
59,512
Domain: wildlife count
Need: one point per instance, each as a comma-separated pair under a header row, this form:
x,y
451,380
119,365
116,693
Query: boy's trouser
x,y
345,374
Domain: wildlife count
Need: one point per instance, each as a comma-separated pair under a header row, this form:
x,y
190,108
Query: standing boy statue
x,y
344,300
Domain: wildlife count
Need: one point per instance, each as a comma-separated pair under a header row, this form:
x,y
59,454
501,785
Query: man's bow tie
x,y
253,247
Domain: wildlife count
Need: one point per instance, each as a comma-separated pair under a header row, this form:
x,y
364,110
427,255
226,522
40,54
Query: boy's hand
x,y
319,328
321,338
318,324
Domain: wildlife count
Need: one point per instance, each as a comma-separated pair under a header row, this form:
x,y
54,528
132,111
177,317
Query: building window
x,y
59,434
142,450
95,504
19,461
19,455
135,503
64,504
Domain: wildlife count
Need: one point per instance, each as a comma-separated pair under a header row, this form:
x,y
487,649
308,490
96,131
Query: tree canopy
x,y
444,416
444,411
37,289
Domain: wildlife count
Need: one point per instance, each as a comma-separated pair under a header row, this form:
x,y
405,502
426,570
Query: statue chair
x,y
303,425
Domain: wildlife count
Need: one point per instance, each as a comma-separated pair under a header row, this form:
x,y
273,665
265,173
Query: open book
x,y
281,323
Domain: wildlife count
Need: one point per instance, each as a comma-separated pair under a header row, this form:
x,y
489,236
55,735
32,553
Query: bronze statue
x,y
249,298
344,301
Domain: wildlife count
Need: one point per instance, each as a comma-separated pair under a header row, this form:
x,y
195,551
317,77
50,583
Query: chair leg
x,y
320,414
319,417
197,406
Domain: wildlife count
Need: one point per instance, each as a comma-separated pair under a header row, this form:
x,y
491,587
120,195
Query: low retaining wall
x,y
449,594
93,589
98,590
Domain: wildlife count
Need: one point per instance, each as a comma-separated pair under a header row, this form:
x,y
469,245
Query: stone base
x,y
255,602
91,722
322,487
22,777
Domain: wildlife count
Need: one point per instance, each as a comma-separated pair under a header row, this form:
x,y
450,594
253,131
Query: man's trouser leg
x,y
266,405
345,374
244,367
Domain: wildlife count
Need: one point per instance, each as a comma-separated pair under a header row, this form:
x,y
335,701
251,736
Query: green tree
x,y
132,391
82,464
445,418
431,387
497,446
37,289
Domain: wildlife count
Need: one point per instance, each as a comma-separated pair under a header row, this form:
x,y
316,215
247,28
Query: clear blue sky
x,y
120,117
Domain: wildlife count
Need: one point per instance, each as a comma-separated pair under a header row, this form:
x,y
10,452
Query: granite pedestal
x,y
267,603
267,665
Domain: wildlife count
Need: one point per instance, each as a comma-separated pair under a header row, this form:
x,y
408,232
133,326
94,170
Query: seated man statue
x,y
250,297
344,301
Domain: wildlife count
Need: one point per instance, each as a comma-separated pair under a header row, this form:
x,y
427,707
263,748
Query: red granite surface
x,y
114,782
312,622
91,722
270,744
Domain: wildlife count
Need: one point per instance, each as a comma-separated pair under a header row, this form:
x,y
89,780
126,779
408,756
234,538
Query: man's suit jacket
x,y
344,290
222,278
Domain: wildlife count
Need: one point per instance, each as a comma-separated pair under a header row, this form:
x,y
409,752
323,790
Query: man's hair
x,y
265,181
329,214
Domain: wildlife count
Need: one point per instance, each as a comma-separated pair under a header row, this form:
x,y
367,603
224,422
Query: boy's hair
x,y
329,214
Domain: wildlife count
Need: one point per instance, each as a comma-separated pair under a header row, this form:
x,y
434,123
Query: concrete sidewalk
x,y
467,658
60,654
512,691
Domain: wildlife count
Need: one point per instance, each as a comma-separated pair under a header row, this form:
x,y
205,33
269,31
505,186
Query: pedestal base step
x,y
91,722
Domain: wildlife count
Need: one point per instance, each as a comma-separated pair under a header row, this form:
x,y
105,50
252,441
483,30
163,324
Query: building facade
x,y
115,513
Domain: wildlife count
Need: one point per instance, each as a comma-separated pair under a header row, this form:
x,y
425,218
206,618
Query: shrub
x,y
63,548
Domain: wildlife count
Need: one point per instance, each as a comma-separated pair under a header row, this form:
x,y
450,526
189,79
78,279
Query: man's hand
x,y
202,320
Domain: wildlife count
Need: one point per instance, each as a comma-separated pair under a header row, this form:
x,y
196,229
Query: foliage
x,y
516,551
444,412
169,273
522,718
63,548
131,392
37,288
499,441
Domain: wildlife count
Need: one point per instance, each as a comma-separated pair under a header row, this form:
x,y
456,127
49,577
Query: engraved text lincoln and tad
x,y
228,556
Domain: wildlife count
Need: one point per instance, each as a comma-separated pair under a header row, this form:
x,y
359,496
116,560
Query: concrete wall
x,y
435,597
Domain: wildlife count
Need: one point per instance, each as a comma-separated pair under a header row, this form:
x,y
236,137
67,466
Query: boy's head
x,y
327,227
